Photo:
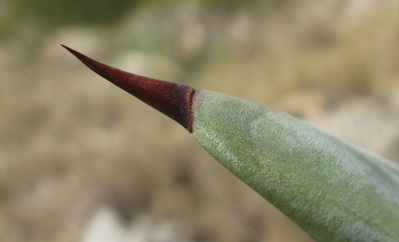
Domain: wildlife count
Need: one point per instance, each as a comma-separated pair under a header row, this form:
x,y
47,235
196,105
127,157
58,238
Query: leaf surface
x,y
332,189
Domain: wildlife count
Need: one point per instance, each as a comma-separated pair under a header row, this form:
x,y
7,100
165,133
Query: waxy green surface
x,y
333,190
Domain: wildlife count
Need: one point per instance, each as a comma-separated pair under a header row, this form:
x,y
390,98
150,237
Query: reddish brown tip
x,y
172,99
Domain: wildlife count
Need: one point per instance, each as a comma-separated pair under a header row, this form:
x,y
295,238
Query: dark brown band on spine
x,y
189,98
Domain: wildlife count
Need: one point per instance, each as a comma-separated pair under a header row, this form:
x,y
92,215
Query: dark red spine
x,y
174,100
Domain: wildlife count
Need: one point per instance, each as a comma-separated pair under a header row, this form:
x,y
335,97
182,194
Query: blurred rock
x,y
106,225
370,123
302,104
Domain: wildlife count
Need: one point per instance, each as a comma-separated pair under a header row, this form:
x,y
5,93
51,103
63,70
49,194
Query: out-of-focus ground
x,y
81,160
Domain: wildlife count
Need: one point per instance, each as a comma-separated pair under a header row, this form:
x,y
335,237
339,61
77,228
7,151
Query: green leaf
x,y
332,189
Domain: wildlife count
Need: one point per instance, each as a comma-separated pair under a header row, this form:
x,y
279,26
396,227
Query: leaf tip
x,y
172,99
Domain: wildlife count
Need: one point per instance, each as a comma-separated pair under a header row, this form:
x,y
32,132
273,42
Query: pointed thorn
x,y
172,99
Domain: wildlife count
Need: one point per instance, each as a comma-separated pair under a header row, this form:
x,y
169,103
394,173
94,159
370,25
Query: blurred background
x,y
81,160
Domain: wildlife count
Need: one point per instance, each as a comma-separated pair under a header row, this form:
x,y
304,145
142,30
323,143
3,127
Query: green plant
x,y
332,189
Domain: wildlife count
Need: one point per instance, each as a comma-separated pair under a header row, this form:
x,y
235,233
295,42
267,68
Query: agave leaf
x,y
333,190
